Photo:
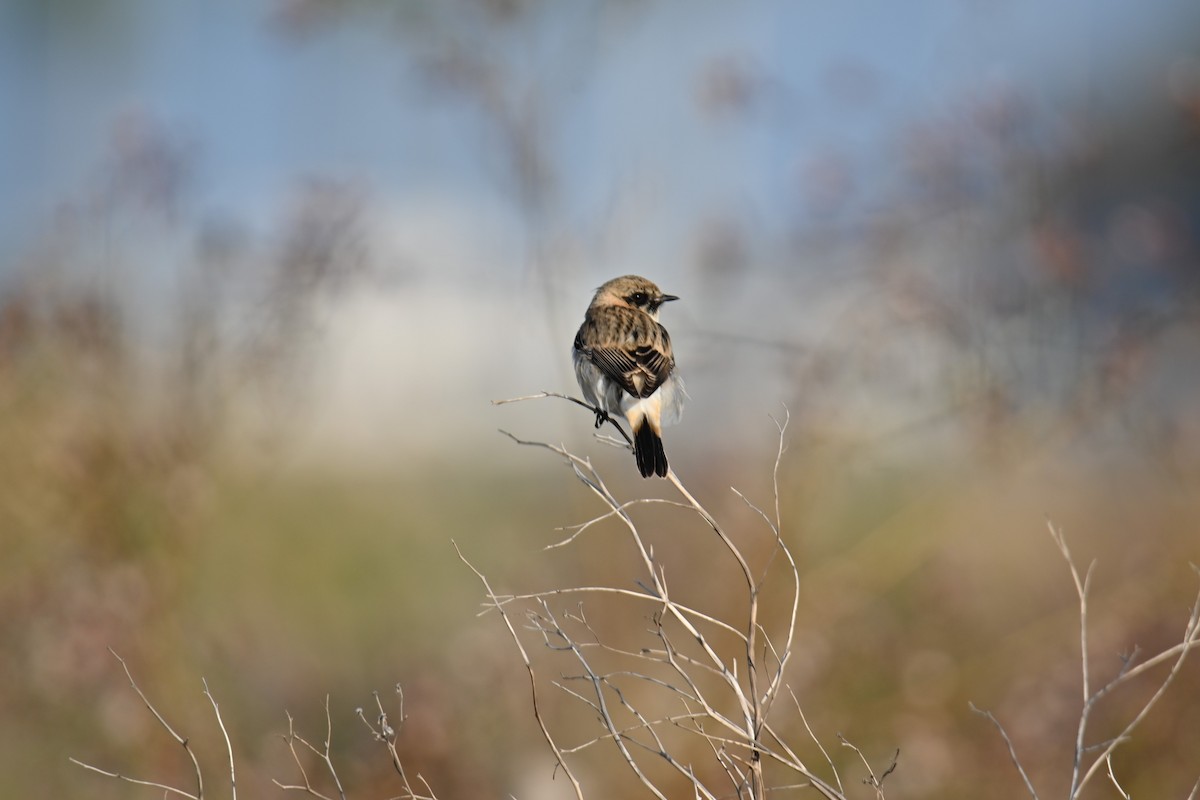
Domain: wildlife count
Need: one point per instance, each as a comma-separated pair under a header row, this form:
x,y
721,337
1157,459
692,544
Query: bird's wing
x,y
629,347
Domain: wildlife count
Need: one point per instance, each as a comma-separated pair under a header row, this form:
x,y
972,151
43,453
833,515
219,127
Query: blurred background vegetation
x,y
263,266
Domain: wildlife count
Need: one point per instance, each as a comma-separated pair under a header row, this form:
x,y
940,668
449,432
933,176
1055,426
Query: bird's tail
x,y
648,449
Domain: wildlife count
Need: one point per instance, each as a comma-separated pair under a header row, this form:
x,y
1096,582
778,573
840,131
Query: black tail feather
x,y
648,448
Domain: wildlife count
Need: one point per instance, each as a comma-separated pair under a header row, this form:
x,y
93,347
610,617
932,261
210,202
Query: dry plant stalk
x,y
700,685
182,741
381,730
1083,770
292,738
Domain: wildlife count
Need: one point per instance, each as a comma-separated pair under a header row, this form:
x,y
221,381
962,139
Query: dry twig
x,y
537,711
323,754
875,782
225,733
386,734
1083,771
747,681
1012,751
183,742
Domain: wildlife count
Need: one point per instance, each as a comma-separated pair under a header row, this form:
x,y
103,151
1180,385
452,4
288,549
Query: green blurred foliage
x,y
925,585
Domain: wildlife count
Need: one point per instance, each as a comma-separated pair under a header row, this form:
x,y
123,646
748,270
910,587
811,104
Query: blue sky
x,y
617,87
641,161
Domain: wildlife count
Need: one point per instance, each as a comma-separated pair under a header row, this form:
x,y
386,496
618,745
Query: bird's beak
x,y
666,298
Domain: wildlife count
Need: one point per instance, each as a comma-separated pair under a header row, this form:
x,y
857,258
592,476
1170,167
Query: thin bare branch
x,y
875,782
323,754
733,772
1191,637
621,738
583,526
291,738
774,684
199,795
1081,590
166,789
1012,751
601,416
386,734
590,478
749,700
780,450
569,590
751,676
1150,663
225,733
828,759
1081,776
552,629
1112,777
537,711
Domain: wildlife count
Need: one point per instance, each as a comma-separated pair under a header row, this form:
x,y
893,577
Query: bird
x,y
625,365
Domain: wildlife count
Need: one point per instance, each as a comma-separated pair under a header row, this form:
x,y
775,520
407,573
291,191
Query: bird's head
x,y
632,291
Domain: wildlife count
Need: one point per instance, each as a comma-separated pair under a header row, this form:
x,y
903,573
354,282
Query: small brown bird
x,y
625,365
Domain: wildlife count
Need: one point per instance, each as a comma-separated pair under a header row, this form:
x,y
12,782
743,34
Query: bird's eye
x,y
638,298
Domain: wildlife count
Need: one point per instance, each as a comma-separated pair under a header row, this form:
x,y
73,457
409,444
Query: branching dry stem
x,y
183,742
1083,769
875,782
225,733
323,754
1012,751
537,711
727,691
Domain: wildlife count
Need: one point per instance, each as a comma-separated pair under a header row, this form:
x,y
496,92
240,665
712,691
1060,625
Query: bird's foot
x,y
601,418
